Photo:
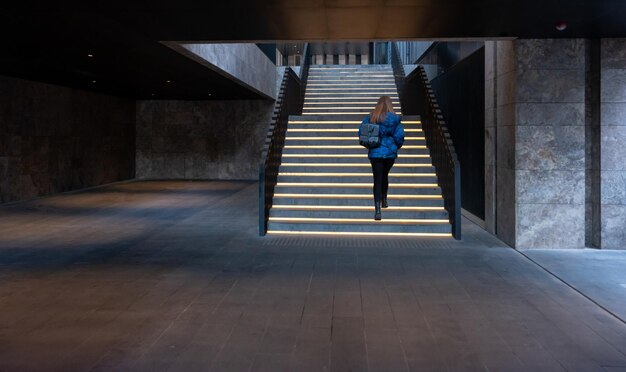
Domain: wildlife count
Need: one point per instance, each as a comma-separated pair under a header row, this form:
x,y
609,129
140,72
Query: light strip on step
x,y
348,89
370,93
360,165
355,233
407,147
331,174
358,220
348,156
374,99
353,196
343,122
365,103
338,113
351,208
342,138
342,79
343,108
361,84
338,130
354,184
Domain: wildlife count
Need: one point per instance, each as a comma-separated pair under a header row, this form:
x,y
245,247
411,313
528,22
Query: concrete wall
x,y
55,139
613,143
201,139
243,63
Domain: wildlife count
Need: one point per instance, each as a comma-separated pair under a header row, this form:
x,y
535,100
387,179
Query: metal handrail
x,y
290,101
418,97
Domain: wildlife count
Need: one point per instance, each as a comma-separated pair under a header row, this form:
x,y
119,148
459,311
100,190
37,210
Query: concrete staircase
x,y
325,181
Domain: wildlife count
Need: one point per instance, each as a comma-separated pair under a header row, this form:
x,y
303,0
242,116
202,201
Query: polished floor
x,y
157,276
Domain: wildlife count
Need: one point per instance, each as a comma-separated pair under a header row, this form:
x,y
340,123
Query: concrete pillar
x,y
613,143
539,112
490,136
342,59
351,59
365,59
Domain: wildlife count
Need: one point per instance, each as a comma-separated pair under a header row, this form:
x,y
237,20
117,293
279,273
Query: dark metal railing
x,y
417,98
305,63
289,102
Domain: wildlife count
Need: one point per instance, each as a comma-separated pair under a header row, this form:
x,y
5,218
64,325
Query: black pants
x,y
380,169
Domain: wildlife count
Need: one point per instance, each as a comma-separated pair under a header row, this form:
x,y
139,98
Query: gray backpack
x,y
369,135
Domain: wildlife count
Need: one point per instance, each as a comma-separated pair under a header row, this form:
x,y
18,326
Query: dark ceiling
x,y
50,41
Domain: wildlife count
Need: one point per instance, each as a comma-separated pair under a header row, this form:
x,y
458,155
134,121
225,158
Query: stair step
x,y
285,177
357,233
356,200
400,161
366,212
383,226
293,152
350,167
351,188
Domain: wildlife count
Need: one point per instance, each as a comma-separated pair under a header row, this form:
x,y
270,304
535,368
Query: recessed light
x,y
90,55
93,81
152,94
168,81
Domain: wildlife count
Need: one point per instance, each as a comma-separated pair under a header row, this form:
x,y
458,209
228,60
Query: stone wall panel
x,y
550,54
613,141
613,83
202,139
550,147
613,187
613,114
59,139
554,186
551,86
553,114
550,226
613,226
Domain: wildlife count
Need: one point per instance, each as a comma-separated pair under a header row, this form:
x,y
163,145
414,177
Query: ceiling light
x,y
168,81
93,81
90,55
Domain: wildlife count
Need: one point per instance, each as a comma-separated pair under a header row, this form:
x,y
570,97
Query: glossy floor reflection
x,y
172,276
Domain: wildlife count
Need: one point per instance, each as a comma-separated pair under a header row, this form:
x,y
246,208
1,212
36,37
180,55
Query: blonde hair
x,y
383,106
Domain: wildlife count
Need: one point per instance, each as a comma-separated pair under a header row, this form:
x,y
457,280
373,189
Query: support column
x,y
613,143
540,142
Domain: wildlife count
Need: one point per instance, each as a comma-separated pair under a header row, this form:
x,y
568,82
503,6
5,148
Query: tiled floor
x,y
172,276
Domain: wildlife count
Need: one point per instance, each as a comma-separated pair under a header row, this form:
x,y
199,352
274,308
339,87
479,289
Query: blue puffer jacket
x,y
392,137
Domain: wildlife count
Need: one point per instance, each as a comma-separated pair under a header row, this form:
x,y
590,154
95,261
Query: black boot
x,y
377,212
385,205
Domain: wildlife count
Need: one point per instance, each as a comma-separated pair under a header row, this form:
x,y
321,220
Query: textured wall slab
x,y
613,187
505,205
569,114
613,226
613,143
613,114
551,86
613,85
555,187
241,62
556,54
550,147
201,139
55,139
550,226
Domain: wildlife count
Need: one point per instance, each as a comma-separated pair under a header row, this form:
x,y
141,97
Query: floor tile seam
x,y
608,311
589,327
